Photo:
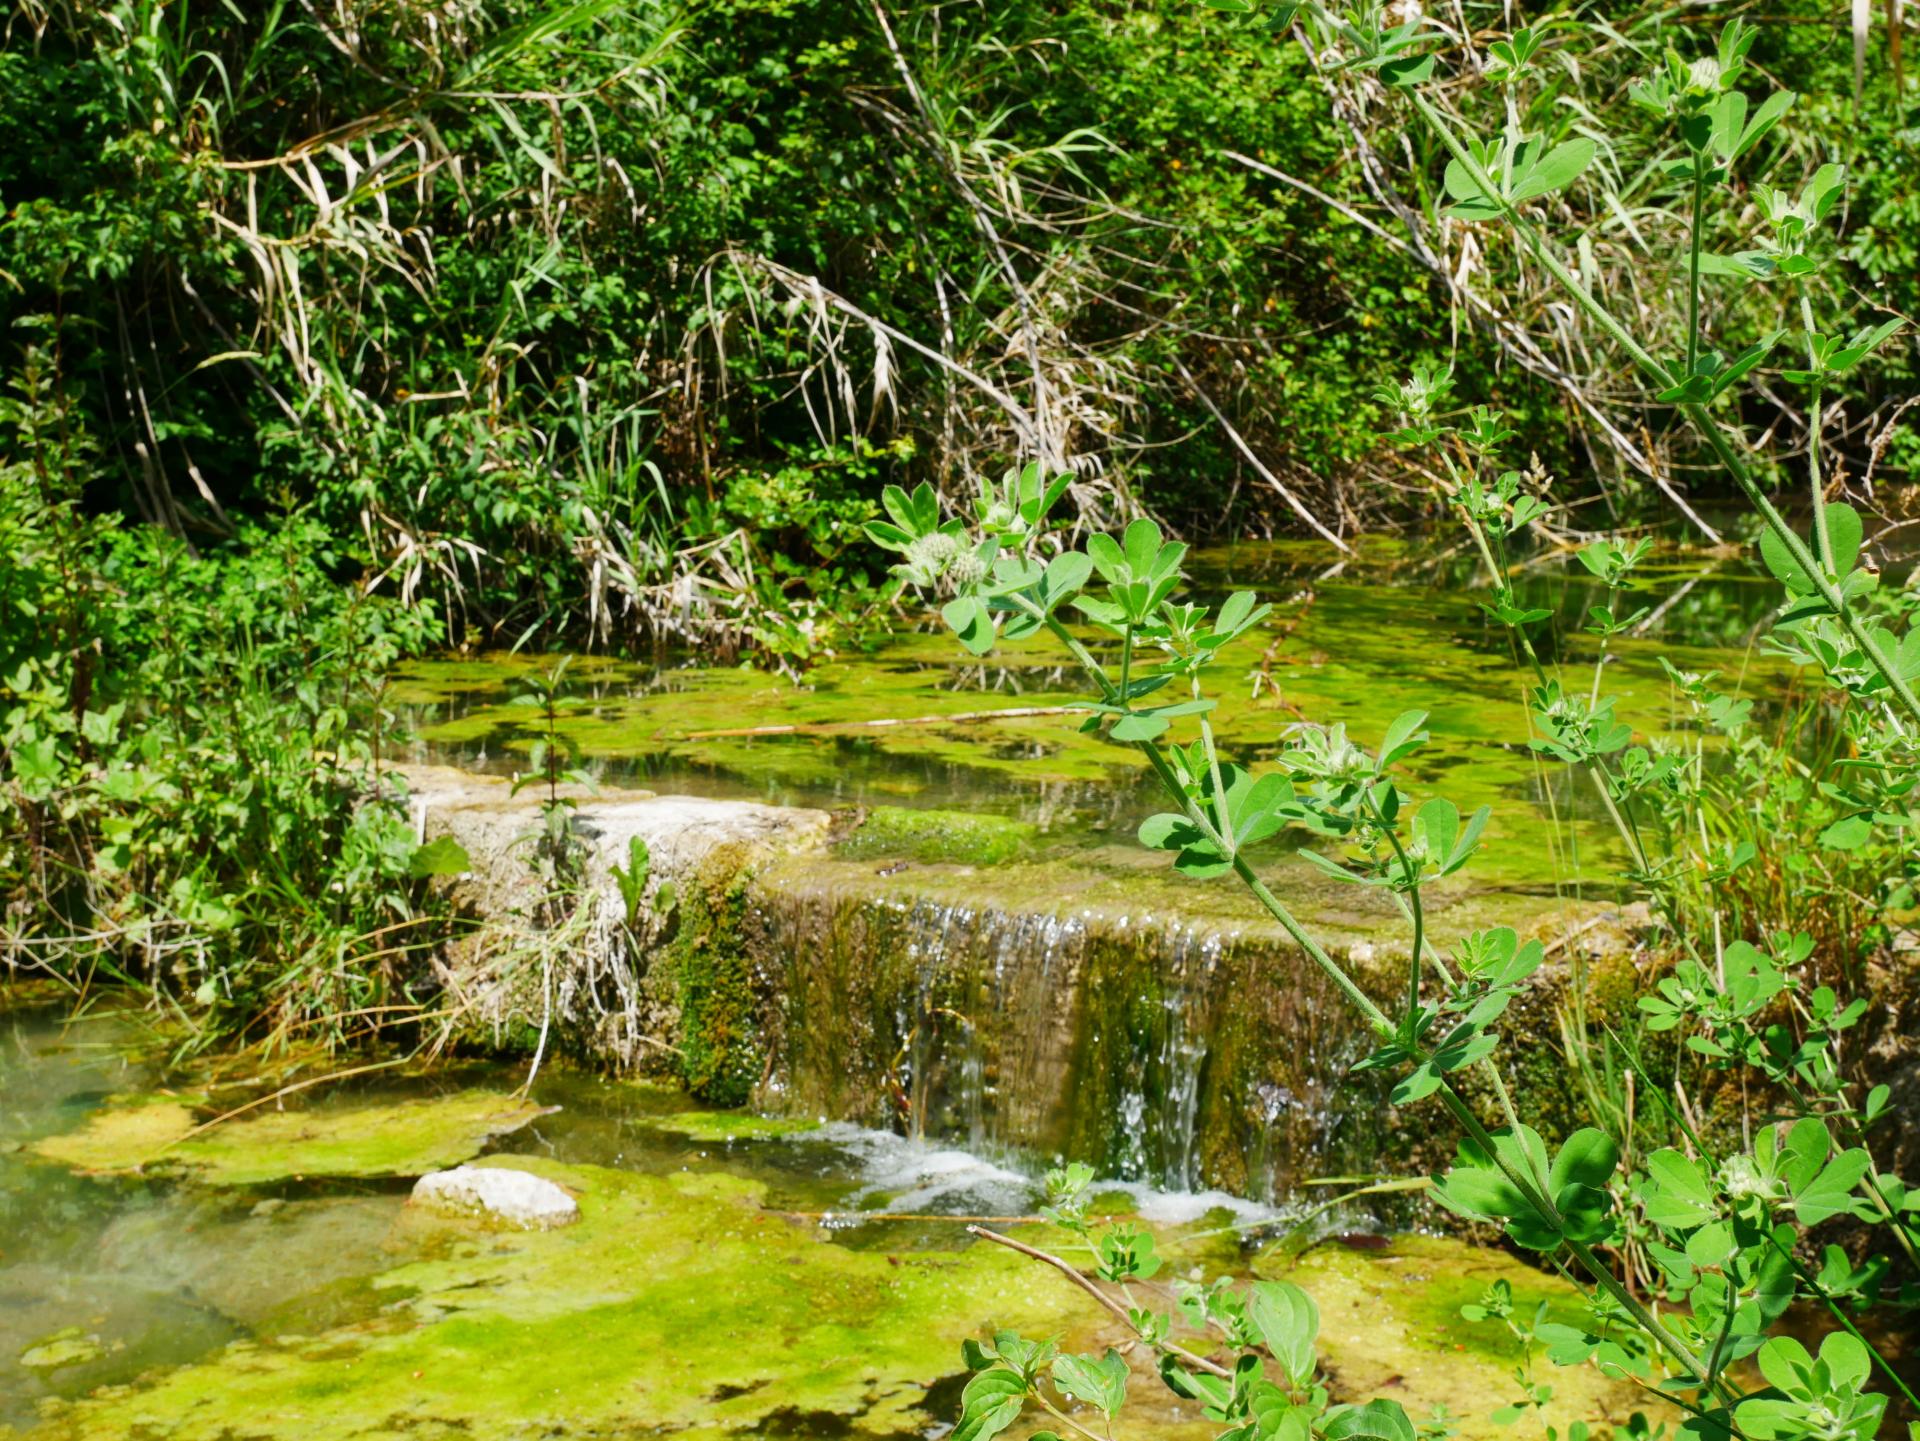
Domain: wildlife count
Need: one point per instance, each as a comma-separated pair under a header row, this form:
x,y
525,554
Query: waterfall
x,y
1156,1047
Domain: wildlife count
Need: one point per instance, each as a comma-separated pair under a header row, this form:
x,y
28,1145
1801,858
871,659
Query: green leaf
x,y
1141,726
1556,170
1678,1195
1588,1158
1100,1382
1844,531
1289,1324
992,1402
1378,1420
442,856
1400,738
967,617
1830,1193
1785,569
1848,834
1065,574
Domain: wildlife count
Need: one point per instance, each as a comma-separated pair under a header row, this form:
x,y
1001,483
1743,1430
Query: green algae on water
x,y
69,1347
675,1303
1390,1325
401,1138
721,1126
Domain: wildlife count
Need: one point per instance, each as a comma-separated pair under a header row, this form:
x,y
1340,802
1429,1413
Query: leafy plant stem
x,y
1063,1417
1219,786
1813,1285
1695,411
1410,1022
1074,1274
1693,266
1529,1186
1822,544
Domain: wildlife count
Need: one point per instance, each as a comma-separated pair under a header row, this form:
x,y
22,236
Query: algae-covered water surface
x,y
726,1275
914,722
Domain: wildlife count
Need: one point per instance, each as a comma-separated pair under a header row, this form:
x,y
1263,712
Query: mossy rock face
x,y
722,1050
404,1138
957,837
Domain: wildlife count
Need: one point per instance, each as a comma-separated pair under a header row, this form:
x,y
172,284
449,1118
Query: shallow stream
x,y
1354,640
730,1275
772,1279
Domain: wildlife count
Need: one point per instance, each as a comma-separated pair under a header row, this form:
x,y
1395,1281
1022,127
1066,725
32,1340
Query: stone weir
x,y
955,977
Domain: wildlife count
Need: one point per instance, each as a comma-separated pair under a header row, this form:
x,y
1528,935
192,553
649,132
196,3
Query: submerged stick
x,y
817,727
1072,1273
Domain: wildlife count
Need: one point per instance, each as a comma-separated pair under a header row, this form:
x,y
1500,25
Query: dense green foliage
x,y
1693,1240
569,314
191,798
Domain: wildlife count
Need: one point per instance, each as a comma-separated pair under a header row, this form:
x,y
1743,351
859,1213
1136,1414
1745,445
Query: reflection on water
x,y
1354,641
104,1280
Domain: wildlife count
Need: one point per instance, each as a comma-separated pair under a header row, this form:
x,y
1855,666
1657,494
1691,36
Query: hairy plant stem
x,y
1693,266
1822,541
1694,410
1531,1187
1409,1026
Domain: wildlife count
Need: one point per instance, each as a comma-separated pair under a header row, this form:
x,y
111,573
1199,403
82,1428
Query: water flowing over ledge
x,y
1099,1010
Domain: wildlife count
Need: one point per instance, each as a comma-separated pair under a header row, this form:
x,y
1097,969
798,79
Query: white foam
x,y
905,1176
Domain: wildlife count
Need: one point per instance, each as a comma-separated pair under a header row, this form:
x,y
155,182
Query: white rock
x,y
518,1197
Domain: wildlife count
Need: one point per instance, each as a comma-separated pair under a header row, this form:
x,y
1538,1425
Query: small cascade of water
x,y
1159,1049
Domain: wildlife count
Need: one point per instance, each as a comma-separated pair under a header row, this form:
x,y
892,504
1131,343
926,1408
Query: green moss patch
x,y
959,837
731,1126
404,1138
71,1347
1390,1325
675,1303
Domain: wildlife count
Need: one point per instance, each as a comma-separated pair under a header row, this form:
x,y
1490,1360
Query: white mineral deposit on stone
x,y
518,1197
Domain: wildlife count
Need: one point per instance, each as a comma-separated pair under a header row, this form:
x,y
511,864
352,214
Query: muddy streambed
x,y
268,1278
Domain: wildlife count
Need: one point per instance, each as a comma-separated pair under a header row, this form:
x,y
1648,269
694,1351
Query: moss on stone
x,y
731,1126
959,837
722,1053
678,1304
404,1138
128,1134
70,1347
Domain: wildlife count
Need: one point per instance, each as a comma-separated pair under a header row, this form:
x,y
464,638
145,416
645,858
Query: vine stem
x,y
1693,265
1074,1274
1695,411
1529,1186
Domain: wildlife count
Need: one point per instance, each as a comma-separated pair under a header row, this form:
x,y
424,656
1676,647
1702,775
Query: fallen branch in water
x,y
1024,712
865,1216
1072,1273
284,1091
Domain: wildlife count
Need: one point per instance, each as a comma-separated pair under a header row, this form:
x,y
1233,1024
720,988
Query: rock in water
x,y
517,1197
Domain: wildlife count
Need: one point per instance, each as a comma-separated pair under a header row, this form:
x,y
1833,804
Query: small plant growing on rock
x,y
553,762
